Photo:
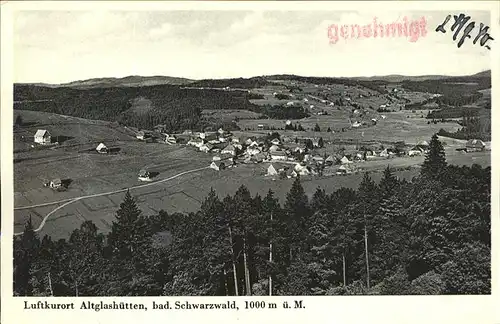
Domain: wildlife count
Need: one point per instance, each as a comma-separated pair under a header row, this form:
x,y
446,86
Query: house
x,y
235,140
330,160
290,103
318,159
343,169
251,150
290,173
475,145
276,141
288,122
217,165
221,131
301,169
356,124
142,135
260,126
43,137
196,142
101,148
279,155
271,170
415,151
345,160
315,142
144,175
274,148
258,158
208,136
187,132
170,139
56,183
423,144
387,152
207,147
305,100
230,149
249,141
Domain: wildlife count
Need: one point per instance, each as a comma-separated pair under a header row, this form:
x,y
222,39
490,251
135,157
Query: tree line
x,y
174,106
430,235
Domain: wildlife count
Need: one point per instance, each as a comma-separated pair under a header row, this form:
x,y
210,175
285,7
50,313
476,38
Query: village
x,y
282,156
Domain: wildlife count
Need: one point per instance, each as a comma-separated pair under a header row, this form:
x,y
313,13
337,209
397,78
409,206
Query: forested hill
x,y
142,107
429,236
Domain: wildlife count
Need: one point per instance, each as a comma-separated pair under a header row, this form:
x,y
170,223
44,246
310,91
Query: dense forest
x,y
174,106
430,235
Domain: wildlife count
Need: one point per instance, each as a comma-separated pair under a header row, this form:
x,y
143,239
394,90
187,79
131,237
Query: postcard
x,y
210,161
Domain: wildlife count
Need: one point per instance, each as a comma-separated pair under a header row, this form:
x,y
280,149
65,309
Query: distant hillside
x,y
130,81
142,107
392,78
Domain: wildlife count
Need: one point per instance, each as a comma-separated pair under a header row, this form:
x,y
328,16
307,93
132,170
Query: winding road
x,y
72,200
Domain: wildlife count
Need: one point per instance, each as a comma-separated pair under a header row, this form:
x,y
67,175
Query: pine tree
x,y
317,128
321,142
435,159
329,130
123,235
297,212
25,254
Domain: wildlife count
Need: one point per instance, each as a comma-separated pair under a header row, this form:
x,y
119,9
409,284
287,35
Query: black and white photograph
x,y
250,152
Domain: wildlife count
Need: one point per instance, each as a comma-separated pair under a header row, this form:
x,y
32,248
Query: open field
x,y
398,126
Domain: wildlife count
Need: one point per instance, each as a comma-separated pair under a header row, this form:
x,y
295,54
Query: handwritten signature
x,y
483,36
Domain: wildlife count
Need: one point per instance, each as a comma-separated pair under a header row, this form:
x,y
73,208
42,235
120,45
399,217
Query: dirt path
x,y
72,200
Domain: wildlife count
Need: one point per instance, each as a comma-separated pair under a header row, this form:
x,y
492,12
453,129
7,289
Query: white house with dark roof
x,y
475,145
101,148
42,137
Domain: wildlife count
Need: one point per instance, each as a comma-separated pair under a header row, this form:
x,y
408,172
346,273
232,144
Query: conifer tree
x,y
435,159
297,213
25,254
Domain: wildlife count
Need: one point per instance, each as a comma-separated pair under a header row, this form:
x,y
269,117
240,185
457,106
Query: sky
x,y
64,46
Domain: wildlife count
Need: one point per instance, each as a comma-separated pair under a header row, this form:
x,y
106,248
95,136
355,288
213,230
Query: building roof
x,y
278,153
56,181
42,133
101,146
475,143
230,147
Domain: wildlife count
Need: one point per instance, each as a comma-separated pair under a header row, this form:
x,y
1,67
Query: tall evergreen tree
x,y
25,254
435,159
297,217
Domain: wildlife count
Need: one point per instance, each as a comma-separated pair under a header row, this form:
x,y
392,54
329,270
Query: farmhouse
x,y
101,148
474,145
142,135
330,160
56,183
279,155
217,165
170,139
271,170
276,141
343,169
144,175
42,136
415,151
387,152
345,160
301,169
196,142
207,147
208,136
274,148
230,149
